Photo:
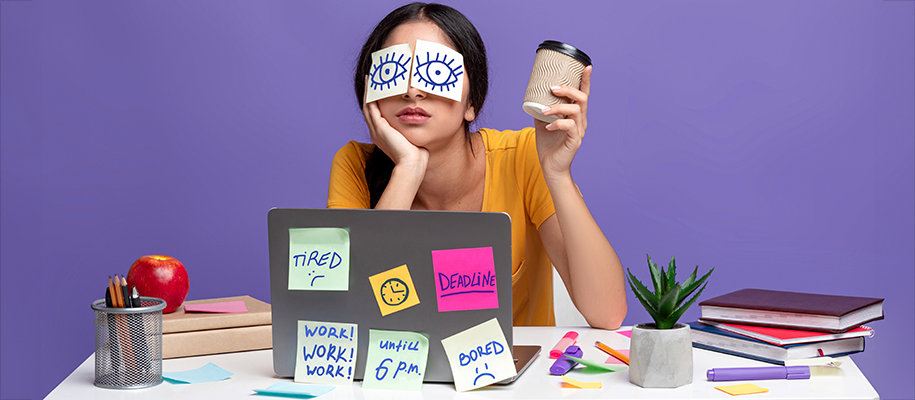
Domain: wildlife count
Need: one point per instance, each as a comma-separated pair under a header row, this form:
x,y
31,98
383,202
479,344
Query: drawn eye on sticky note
x,y
394,290
318,259
326,352
437,69
479,356
389,74
465,279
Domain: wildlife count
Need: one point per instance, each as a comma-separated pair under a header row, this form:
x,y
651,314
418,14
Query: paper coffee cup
x,y
556,63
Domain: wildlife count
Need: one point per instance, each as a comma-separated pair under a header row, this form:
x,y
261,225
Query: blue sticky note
x,y
206,373
296,390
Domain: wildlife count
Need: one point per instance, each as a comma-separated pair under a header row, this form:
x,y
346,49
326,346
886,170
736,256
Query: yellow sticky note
x,y
582,385
746,388
394,290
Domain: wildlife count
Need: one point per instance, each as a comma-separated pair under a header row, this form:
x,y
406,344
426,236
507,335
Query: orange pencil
x,y
614,353
114,303
117,292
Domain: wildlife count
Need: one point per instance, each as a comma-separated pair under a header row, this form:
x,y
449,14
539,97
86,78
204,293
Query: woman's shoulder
x,y
507,139
355,150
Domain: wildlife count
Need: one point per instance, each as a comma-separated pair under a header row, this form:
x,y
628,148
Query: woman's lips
x,y
412,115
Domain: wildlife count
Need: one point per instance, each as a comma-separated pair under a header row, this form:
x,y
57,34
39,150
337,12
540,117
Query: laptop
x,y
378,241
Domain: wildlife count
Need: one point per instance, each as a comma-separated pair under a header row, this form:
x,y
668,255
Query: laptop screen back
x,y
309,249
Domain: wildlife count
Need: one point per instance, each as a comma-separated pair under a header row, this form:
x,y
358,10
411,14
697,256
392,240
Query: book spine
x,y
216,341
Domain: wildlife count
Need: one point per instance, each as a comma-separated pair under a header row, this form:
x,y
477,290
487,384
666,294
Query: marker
x,y
135,297
614,353
745,374
565,364
564,343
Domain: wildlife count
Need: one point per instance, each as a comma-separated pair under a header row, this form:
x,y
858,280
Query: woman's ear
x,y
470,113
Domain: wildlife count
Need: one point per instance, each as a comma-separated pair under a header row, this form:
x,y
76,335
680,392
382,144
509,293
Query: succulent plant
x,y
664,305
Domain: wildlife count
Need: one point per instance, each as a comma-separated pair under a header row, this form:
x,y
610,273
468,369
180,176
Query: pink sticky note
x,y
613,360
226,307
627,334
465,279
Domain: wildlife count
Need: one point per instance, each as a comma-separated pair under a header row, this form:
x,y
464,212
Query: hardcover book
x,y
182,321
820,312
711,338
783,336
198,333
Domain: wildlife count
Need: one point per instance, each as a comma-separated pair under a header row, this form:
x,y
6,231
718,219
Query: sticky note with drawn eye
x,y
389,74
438,70
318,259
479,356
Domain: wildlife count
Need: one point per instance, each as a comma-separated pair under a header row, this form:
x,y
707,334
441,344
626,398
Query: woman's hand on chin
x,y
390,140
558,141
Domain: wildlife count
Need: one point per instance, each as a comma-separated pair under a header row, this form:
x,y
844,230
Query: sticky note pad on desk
x,y
746,388
207,373
224,307
295,390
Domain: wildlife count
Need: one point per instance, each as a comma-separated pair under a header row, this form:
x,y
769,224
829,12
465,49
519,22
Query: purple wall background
x,y
772,140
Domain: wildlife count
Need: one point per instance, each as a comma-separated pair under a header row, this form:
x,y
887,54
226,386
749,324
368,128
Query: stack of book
x,y
776,326
186,334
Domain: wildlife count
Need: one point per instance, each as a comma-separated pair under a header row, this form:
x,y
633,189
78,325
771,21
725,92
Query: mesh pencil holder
x,y
128,344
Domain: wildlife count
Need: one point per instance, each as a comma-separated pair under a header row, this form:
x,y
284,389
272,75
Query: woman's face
x,y
425,119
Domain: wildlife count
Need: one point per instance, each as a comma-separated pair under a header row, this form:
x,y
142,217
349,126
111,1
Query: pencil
x,y
114,301
614,353
124,293
117,292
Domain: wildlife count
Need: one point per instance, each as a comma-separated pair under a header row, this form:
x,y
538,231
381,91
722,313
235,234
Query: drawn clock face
x,y
394,292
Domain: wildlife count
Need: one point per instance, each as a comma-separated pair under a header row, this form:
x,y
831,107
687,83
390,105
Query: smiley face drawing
x,y
394,292
479,375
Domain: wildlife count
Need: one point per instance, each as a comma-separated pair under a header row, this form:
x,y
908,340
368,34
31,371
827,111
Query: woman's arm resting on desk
x,y
577,247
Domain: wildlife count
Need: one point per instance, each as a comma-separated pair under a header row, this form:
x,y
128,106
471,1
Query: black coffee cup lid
x,y
566,49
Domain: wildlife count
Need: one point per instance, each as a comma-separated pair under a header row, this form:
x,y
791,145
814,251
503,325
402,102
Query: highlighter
x,y
565,364
566,341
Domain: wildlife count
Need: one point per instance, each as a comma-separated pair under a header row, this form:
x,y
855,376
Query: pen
x,y
742,374
614,353
564,343
565,364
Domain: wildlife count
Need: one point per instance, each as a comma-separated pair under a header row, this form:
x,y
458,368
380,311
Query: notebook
x,y
310,248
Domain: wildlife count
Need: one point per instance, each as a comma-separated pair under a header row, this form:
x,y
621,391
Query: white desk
x,y
254,369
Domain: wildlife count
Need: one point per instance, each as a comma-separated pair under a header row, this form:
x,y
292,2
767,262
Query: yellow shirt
x,y
513,184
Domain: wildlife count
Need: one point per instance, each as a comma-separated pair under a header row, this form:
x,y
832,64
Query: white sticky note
x,y
326,352
479,356
813,362
438,70
390,72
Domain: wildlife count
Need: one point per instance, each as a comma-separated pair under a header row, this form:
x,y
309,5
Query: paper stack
x,y
187,333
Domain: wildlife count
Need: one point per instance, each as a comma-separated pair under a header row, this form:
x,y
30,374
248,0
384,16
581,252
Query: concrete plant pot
x,y
660,358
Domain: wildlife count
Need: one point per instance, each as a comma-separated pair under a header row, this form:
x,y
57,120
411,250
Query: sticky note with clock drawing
x,y
437,69
394,290
389,74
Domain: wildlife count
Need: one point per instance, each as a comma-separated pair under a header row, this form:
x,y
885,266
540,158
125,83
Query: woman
x,y
424,156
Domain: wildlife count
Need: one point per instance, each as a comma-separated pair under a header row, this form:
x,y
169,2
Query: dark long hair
x,y
466,40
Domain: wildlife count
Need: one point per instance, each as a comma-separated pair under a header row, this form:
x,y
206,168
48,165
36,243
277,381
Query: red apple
x,y
160,276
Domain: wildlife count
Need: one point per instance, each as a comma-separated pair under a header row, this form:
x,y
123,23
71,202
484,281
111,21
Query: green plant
x,y
664,305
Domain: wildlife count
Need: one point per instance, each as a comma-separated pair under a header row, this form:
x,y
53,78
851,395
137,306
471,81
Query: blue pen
x,y
564,364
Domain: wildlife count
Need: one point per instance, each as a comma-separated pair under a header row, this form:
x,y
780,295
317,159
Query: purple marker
x,y
563,364
746,374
